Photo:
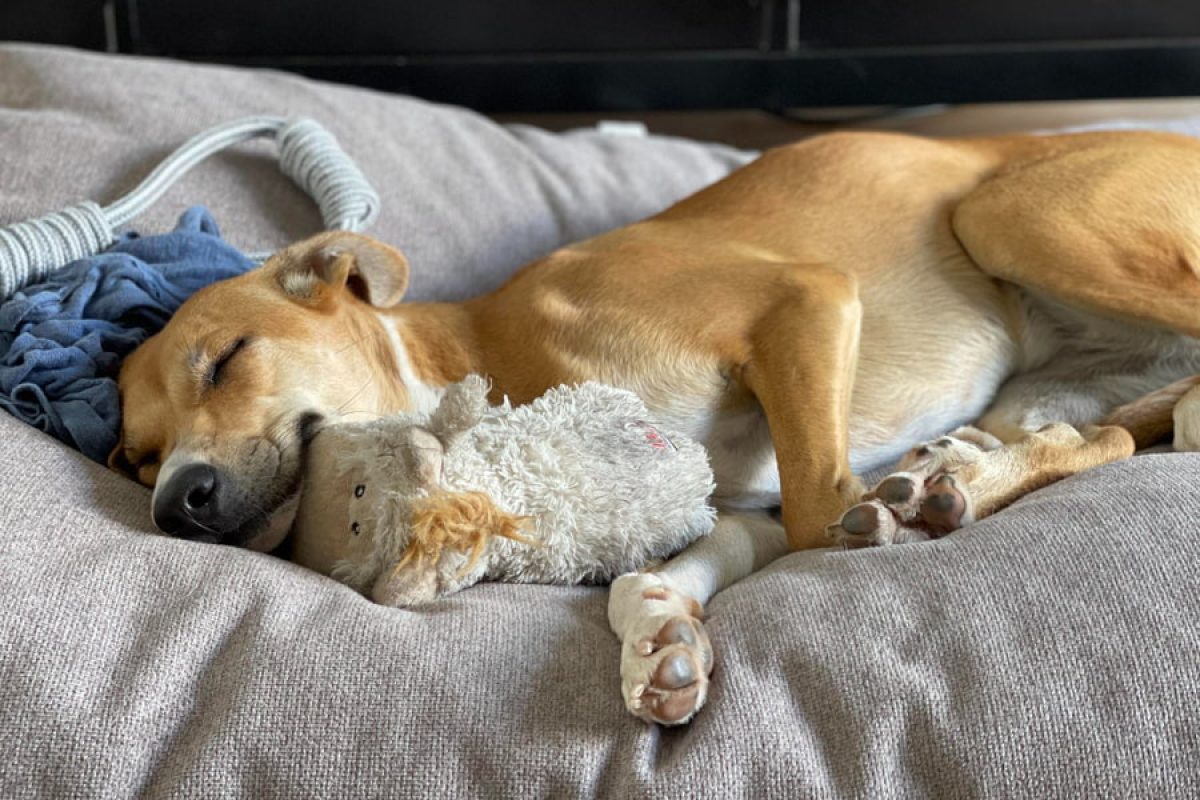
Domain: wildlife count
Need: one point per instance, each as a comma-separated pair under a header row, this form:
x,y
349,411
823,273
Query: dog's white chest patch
x,y
423,396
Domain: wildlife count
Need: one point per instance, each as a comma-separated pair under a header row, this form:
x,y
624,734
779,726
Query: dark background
x,y
633,55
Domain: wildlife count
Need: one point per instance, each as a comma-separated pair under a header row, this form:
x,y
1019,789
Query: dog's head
x,y
218,406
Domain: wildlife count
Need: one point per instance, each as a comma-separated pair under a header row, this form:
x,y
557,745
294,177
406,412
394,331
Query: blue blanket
x,y
62,341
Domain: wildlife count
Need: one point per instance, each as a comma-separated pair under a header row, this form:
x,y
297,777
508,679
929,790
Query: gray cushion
x,y
1050,651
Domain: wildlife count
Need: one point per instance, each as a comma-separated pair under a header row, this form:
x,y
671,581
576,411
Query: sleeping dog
x,y
812,317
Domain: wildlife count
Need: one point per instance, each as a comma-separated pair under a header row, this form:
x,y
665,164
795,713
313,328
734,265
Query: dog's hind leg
x,y
1105,226
969,475
666,656
1111,228
1171,413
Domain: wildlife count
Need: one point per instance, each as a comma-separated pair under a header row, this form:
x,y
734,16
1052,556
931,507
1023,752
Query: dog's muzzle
x,y
249,506
192,504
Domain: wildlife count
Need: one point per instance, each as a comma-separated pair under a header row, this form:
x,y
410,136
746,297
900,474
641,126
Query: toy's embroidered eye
x,y
354,528
360,490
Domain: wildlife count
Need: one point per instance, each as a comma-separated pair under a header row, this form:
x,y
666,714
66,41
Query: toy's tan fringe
x,y
463,521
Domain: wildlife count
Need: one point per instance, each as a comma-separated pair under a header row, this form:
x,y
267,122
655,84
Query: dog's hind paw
x,y
968,475
666,657
923,500
874,523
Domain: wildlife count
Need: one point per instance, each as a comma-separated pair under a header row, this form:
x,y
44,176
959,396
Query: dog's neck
x,y
434,344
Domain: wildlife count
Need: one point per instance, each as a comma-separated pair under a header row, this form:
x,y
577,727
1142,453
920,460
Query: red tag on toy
x,y
656,438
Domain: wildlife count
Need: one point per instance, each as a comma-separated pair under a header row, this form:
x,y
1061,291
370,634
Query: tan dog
x,y
811,317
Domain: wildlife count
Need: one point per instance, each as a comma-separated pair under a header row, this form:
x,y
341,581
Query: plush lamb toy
x,y
575,487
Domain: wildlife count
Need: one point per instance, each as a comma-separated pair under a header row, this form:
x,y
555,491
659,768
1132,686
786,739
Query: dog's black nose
x,y
188,504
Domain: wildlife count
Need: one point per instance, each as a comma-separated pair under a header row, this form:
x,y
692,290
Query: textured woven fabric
x,y
1050,651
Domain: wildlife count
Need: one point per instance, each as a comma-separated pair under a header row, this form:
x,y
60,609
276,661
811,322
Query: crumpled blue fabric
x,y
62,341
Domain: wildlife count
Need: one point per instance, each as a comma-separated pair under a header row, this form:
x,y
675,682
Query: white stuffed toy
x,y
575,487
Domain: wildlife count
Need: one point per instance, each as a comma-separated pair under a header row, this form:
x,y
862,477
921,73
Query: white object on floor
x,y
616,127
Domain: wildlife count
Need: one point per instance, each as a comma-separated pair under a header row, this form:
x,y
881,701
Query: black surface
x,y
79,23
445,27
778,81
875,23
634,55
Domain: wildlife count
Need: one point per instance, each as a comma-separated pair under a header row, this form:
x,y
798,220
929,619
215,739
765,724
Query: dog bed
x,y
1049,651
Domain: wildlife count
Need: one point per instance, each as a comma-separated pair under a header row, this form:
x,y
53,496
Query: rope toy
x,y
308,154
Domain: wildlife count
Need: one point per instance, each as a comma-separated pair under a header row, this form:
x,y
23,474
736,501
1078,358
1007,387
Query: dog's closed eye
x,y
217,368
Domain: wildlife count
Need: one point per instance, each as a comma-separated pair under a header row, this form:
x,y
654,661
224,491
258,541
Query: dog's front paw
x,y
666,657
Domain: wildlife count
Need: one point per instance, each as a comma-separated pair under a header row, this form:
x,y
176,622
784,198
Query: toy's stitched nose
x,y
187,505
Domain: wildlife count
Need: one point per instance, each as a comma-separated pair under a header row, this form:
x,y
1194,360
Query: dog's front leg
x,y
666,656
802,356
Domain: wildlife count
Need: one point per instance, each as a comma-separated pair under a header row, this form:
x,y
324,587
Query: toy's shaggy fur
x,y
575,487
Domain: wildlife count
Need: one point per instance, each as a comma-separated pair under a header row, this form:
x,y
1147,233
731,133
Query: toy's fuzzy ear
x,y
424,456
320,268
462,407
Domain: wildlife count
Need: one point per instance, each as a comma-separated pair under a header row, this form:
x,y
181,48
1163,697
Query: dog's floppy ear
x,y
331,262
117,461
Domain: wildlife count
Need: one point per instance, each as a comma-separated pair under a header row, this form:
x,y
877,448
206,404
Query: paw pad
x,y
896,490
675,671
920,502
944,506
862,520
665,667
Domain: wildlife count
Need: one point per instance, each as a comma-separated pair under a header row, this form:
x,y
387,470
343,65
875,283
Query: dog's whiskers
x,y
364,412
353,397
354,343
